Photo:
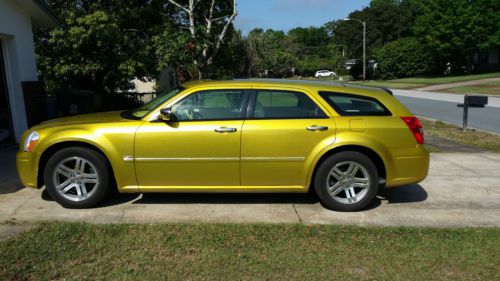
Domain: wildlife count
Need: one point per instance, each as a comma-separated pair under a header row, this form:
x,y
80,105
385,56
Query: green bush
x,y
405,57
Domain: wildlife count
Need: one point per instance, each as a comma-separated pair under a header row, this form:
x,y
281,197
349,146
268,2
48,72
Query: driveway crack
x,y
297,213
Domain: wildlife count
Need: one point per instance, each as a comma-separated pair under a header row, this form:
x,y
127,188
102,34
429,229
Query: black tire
x,y
99,163
322,175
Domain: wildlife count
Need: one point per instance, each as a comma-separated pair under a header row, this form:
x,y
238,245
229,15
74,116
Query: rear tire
x,y
77,177
346,181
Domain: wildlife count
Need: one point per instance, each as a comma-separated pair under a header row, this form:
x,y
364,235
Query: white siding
x,y
19,52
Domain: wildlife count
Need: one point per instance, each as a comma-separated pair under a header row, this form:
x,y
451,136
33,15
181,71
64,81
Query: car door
x,y
283,130
200,148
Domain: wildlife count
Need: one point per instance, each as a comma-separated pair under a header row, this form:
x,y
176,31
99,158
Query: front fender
x,y
115,143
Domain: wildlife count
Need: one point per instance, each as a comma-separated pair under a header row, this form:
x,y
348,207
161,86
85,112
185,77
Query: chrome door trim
x,y
204,159
274,159
128,158
184,159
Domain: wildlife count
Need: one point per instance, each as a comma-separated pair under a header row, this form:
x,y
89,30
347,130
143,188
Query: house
x,y
147,89
20,91
486,60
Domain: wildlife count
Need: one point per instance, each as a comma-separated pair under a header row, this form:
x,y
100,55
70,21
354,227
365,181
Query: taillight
x,y
415,127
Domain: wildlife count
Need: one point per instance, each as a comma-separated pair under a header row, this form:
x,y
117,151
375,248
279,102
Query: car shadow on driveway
x,y
227,198
405,194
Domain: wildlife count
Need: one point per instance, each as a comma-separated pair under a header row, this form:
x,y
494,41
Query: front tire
x,y
346,181
77,177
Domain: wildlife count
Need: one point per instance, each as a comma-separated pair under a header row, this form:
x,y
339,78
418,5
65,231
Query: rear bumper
x,y
410,165
27,168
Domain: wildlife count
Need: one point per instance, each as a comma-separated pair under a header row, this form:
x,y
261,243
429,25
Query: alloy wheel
x,y
348,182
76,178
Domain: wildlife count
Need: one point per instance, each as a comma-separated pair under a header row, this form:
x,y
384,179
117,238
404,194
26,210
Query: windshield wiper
x,y
127,114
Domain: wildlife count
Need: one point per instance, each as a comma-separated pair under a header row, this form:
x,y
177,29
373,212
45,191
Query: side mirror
x,y
165,114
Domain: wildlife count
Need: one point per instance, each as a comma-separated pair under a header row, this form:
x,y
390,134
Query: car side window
x,y
210,105
355,105
271,104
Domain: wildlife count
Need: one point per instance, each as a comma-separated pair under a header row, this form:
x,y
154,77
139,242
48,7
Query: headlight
x,y
31,141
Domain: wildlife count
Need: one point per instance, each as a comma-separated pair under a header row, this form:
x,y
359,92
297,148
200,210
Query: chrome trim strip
x,y
274,159
128,158
182,159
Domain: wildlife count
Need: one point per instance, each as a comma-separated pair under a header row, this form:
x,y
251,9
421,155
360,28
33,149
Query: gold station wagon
x,y
260,136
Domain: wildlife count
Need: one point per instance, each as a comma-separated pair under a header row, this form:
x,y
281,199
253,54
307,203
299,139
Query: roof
x,y
291,82
40,13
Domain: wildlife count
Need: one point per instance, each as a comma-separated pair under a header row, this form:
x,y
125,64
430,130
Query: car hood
x,y
94,118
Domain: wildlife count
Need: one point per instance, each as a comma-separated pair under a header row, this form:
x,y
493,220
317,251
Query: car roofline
x,y
274,81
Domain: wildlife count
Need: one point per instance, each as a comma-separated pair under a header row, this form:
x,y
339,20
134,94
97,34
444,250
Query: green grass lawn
x,y
412,83
249,252
447,79
389,84
409,83
488,88
454,133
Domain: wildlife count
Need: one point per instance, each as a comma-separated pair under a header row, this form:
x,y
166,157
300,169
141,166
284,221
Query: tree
x,y
454,30
207,27
100,46
232,60
405,57
270,50
386,21
313,48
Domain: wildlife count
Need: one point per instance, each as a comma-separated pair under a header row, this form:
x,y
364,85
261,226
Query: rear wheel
x,y
77,177
346,181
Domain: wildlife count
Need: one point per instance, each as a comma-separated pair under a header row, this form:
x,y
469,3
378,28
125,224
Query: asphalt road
x,y
444,107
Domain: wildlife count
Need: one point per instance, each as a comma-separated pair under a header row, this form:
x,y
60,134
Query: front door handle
x,y
225,130
317,128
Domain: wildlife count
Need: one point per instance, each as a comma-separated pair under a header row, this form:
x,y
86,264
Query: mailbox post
x,y
472,102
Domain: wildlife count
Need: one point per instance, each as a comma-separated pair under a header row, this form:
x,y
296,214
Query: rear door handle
x,y
225,130
317,128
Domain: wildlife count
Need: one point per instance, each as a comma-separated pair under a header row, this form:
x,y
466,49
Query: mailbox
x,y
472,102
476,101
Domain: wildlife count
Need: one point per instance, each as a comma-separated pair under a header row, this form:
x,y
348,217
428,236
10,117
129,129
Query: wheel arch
x,y
49,151
370,153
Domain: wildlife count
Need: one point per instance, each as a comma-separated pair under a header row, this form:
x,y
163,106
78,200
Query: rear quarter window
x,y
355,105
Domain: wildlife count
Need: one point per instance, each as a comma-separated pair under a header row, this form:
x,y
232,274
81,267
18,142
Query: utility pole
x,y
364,44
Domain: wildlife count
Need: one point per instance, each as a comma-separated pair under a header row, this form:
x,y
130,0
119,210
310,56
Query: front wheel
x,y
346,181
77,177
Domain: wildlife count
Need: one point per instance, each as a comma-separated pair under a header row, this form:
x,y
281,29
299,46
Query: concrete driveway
x,y
463,189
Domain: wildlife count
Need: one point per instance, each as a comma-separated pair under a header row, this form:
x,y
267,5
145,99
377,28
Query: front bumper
x,y
27,168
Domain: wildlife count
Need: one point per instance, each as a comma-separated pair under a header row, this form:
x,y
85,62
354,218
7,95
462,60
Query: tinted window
x,y
354,105
210,105
285,104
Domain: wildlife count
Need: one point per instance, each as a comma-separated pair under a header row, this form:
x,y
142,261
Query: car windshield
x,y
151,105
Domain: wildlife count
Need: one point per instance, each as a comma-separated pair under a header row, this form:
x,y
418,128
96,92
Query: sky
x,y
287,14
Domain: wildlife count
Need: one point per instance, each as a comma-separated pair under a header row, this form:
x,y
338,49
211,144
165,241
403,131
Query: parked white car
x,y
324,73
